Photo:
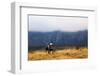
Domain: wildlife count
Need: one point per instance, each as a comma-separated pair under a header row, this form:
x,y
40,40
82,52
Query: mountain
x,y
38,40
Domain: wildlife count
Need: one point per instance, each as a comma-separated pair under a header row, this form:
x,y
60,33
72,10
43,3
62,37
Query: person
x,y
50,48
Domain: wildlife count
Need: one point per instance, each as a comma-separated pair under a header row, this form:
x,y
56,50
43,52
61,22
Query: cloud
x,y
51,23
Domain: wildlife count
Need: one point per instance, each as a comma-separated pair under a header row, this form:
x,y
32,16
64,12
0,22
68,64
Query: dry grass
x,y
59,54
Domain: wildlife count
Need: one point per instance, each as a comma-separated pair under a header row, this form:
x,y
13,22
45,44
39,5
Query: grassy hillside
x,y
70,53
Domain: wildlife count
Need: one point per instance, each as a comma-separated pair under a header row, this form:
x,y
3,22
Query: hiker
x,y
50,48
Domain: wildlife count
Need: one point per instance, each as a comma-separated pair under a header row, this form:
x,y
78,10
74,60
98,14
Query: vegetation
x,y
66,53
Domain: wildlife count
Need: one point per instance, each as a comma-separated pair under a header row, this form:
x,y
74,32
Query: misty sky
x,y
51,23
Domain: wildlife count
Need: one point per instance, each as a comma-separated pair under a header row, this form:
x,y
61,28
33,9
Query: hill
x,y
38,40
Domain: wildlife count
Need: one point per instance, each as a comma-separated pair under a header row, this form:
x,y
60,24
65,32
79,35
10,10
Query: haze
x,y
51,23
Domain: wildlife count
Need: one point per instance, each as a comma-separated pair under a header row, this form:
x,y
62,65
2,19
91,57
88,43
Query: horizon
x,y
57,31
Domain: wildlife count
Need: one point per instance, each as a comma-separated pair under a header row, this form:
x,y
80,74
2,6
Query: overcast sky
x,y
51,23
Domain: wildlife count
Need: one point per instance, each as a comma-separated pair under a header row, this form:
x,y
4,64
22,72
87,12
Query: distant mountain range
x,y
41,39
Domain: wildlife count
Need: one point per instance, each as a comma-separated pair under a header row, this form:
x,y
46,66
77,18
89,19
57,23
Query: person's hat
x,y
51,43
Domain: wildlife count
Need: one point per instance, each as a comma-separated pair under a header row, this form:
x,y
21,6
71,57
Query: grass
x,y
71,53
